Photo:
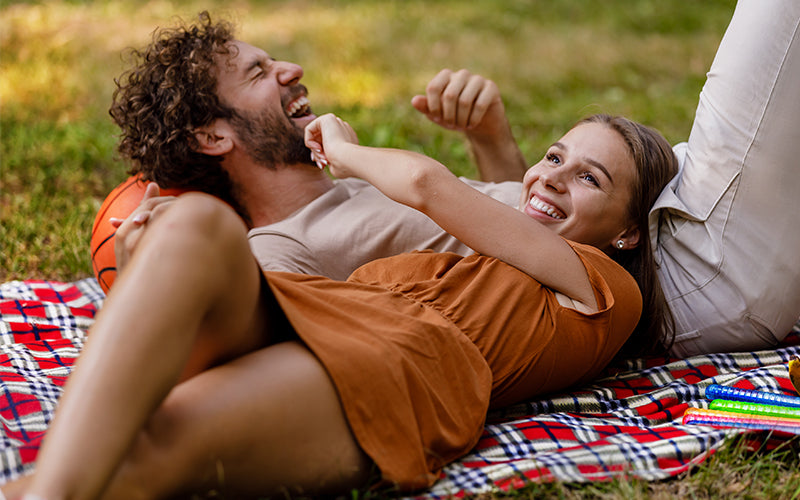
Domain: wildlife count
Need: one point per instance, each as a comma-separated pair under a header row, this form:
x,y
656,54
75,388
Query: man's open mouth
x,y
298,108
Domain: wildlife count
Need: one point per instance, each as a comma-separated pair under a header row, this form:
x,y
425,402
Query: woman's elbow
x,y
426,180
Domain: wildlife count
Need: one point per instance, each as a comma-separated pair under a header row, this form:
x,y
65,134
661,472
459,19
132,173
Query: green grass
x,y
555,61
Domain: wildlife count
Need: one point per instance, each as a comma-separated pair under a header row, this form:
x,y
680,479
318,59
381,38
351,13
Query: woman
x,y
394,368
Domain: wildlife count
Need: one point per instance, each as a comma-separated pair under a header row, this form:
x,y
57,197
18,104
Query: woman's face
x,y
582,187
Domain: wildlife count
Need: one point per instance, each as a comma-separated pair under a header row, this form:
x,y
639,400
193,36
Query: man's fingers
x,y
434,90
420,103
483,93
451,97
457,100
140,217
152,190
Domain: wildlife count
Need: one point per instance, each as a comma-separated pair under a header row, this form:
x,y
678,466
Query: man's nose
x,y
288,73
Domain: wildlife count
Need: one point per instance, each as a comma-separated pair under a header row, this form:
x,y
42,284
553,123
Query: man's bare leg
x,y
188,298
267,423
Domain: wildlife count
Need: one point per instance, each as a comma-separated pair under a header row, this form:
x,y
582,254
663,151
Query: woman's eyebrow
x,y
590,161
601,167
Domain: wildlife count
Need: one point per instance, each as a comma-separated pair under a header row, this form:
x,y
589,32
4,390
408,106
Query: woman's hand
x,y
325,137
130,230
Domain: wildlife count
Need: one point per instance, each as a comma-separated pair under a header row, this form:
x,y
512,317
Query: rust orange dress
x,y
421,345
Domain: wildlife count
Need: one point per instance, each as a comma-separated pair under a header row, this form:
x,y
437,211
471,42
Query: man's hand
x,y
130,230
470,103
464,102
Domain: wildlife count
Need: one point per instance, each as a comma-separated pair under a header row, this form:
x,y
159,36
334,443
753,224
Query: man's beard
x,y
271,140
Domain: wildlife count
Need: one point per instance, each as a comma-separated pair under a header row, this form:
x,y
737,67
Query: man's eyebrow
x,y
258,62
590,161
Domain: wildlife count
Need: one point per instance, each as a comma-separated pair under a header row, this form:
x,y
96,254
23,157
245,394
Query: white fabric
x,y
725,230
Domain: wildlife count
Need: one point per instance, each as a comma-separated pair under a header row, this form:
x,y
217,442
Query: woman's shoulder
x,y
608,278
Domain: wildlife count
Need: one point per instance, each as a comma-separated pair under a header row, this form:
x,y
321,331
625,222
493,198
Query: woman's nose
x,y
553,178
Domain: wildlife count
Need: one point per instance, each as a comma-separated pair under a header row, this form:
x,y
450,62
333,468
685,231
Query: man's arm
x,y
498,156
472,104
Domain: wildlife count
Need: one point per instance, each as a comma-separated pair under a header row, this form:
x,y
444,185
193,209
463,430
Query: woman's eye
x,y
553,158
590,178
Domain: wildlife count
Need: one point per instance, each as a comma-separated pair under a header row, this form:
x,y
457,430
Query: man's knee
x,y
198,212
198,223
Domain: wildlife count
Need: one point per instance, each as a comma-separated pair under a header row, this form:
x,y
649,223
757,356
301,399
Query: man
x,y
231,123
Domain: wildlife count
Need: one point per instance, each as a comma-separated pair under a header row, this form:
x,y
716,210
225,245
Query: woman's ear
x,y
214,139
627,240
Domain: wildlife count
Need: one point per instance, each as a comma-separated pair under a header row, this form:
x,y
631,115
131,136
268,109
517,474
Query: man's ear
x,y
629,239
214,139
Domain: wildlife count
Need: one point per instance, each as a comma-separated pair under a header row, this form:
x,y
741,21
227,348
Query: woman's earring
x,y
620,244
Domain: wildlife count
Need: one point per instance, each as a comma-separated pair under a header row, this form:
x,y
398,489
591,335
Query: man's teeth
x,y
298,104
544,207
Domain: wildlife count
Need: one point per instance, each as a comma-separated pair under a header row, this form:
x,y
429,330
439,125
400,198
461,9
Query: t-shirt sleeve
x,y
279,252
618,298
610,281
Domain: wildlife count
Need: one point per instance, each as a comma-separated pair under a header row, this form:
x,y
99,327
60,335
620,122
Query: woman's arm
x,y
484,224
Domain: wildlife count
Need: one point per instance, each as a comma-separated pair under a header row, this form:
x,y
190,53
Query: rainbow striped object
x,y
755,409
749,409
700,416
715,391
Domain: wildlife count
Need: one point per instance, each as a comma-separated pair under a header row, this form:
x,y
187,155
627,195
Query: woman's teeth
x,y
545,208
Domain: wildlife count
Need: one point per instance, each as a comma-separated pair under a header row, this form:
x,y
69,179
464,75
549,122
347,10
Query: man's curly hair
x,y
160,102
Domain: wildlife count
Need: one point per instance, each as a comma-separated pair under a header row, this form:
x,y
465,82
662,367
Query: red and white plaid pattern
x,y
625,425
42,328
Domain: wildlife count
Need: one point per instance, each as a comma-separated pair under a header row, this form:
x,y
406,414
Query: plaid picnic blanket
x,y
624,425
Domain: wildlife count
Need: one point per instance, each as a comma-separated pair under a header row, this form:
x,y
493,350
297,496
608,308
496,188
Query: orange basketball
x,y
119,203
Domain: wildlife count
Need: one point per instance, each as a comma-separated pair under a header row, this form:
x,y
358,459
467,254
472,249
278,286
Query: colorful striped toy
x,y
715,391
755,409
701,416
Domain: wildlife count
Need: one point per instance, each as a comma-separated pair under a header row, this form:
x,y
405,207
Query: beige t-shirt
x,y
353,224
